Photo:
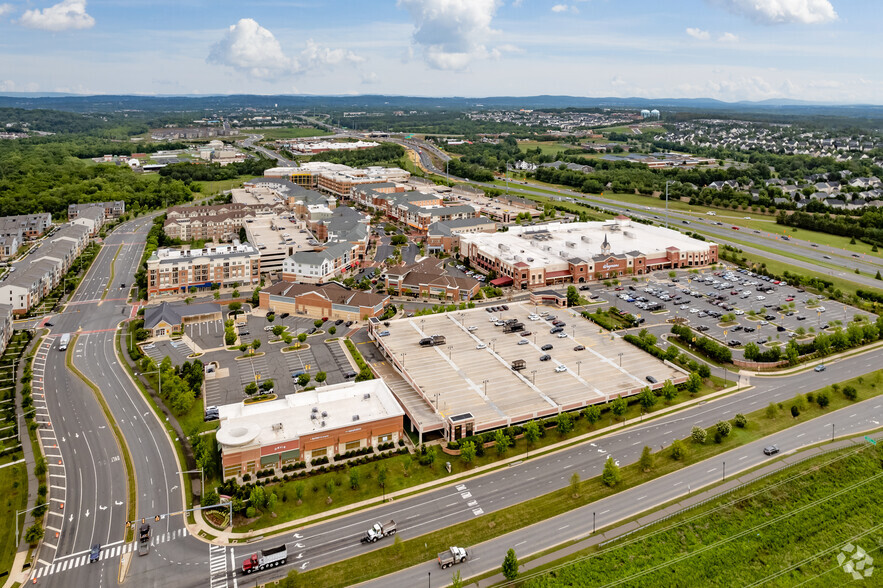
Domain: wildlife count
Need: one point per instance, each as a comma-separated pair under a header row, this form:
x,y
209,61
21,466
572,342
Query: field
x,y
290,133
14,487
756,535
546,147
217,186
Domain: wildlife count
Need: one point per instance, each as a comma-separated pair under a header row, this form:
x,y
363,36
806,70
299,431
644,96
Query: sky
x,y
815,50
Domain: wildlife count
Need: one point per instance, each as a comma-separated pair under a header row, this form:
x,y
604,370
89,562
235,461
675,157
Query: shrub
x,y
771,411
850,392
795,411
722,429
822,399
740,421
678,450
698,434
611,475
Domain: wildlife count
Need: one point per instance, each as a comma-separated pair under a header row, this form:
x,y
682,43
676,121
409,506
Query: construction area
x,y
476,372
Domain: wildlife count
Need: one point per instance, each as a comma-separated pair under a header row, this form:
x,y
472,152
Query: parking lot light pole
x,y
577,366
725,472
620,360
158,372
832,431
533,379
451,352
485,386
403,358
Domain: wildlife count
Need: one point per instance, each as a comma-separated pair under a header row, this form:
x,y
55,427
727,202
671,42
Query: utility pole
x,y
666,202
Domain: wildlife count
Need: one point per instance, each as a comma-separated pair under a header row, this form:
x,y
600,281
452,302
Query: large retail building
x,y
304,426
556,253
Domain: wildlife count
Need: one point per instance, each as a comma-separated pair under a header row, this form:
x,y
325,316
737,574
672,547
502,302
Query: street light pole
x,y
832,431
666,202
725,472
620,359
593,523
577,366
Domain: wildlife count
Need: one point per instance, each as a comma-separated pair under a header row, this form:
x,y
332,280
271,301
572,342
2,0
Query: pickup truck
x,y
379,531
452,556
266,558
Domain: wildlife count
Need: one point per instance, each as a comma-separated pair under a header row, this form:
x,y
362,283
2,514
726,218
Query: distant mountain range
x,y
109,103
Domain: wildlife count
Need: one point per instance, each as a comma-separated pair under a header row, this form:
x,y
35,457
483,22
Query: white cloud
x,y
250,48
370,78
5,9
782,11
728,38
452,33
698,34
565,8
67,14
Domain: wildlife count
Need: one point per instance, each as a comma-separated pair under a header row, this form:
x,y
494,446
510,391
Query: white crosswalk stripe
x,y
217,561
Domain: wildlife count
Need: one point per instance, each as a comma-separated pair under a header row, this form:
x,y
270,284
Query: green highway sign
x,y
871,441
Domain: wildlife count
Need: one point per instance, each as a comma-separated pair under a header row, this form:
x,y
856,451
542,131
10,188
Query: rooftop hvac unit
x,y
324,414
315,409
355,417
530,259
585,239
313,416
570,244
277,427
323,423
366,396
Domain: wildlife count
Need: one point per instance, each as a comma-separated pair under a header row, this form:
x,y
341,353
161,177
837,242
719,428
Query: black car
x,y
211,415
505,307
584,288
801,318
526,333
749,329
348,323
554,330
651,379
48,324
545,357
311,331
338,322
489,309
770,317
284,315
579,348
737,328
734,343
349,375
770,450
558,323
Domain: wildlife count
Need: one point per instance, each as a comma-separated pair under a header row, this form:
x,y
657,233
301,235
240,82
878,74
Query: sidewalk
x,y
225,537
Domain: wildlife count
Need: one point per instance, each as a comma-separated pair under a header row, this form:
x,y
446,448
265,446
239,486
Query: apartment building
x,y
445,235
320,266
176,271
112,209
326,300
6,314
429,278
28,226
92,218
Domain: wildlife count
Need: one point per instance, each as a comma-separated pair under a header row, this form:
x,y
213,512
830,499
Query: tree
x,y
723,428
278,330
694,383
235,307
572,296
381,476
618,407
501,442
531,432
299,492
740,420
795,411
243,237
467,452
398,240
256,344
34,534
574,485
510,565
850,392
565,423
771,411
256,297
647,399
611,475
704,371
678,450
251,388
669,391
646,461
592,414
332,330
303,380
698,434
822,399
302,337
321,377
318,323
456,580
751,351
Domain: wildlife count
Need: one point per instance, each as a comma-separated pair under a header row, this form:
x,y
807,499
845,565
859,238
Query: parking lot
x,y
177,351
472,370
763,311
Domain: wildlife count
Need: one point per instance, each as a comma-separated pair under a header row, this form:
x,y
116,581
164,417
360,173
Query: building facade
x,y
177,271
331,301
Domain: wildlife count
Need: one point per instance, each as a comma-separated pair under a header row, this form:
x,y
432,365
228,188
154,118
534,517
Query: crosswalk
x,y
217,562
109,552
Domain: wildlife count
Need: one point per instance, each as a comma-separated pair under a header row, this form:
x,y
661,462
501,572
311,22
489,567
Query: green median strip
x,y
110,280
131,483
416,550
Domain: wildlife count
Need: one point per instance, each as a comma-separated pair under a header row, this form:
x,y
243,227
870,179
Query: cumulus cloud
x,y
728,38
565,8
452,33
250,48
370,78
698,34
782,11
5,9
67,14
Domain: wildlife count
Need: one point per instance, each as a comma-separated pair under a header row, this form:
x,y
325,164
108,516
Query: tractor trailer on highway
x,y
379,531
266,558
452,556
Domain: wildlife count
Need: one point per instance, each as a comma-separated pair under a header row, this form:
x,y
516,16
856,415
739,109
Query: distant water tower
x,y
645,113
654,113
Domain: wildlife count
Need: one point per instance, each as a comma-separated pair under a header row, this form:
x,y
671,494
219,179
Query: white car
x,y
694,310
268,328
684,306
560,368
523,342
761,297
821,309
148,346
764,322
739,312
562,335
481,346
472,328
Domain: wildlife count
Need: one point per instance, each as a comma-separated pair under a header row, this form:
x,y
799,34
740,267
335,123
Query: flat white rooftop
x,y
552,244
275,421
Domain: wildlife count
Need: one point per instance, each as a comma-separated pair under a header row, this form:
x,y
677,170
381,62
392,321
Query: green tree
x,y
822,399
278,329
251,388
302,337
574,485
646,461
850,392
694,383
611,475
354,478
592,413
647,399
456,580
34,534
678,450
303,380
235,307
698,434
332,330
321,377
531,432
501,442
740,421
723,428
235,293
618,407
572,296
318,323
565,423
299,492
256,297
669,391
771,410
510,565
467,452
256,344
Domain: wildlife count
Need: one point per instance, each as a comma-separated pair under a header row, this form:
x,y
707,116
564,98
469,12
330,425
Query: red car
x,y
735,228
789,299
618,288
324,319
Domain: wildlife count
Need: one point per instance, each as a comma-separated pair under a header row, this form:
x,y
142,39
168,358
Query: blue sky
x,y
821,50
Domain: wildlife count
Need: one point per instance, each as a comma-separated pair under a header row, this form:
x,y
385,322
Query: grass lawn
x,y
210,188
425,547
14,487
290,132
797,515
547,147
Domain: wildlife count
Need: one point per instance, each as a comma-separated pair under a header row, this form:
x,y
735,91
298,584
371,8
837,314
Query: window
x,y
320,452
350,446
269,460
250,467
384,438
231,471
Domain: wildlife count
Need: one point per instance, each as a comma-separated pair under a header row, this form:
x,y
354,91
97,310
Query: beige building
x,y
177,271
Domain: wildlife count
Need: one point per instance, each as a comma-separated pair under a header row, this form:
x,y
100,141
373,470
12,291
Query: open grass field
x,y
217,186
756,535
425,547
546,147
290,132
14,489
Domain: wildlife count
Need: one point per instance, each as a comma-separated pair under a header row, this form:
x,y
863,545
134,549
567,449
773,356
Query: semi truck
x,y
266,558
63,342
378,532
518,364
452,556
432,341
144,539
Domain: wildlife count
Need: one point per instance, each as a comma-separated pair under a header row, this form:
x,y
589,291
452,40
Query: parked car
x,y
545,357
651,379
560,368
546,347
579,348
523,342
383,334
481,346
